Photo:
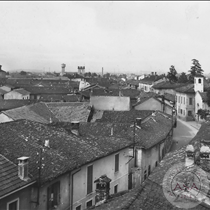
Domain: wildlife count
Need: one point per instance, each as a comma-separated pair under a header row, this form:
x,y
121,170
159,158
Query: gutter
x,y
17,190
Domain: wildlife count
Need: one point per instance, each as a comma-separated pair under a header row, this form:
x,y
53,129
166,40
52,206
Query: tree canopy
x,y
172,74
183,78
195,70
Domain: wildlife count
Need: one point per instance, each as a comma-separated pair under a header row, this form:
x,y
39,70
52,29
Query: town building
x,y
64,163
17,94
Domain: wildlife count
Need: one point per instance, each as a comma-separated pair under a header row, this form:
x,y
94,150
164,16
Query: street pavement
x,y
183,133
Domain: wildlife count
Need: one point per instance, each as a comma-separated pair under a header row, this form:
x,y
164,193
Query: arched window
x,y
199,80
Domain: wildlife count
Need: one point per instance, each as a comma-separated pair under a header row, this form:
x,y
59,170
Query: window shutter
x,y
89,179
116,162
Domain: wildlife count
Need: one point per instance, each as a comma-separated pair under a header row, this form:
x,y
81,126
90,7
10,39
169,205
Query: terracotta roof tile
x,y
66,152
69,111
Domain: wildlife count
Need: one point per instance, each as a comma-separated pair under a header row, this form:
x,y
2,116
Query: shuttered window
x,y
89,179
116,162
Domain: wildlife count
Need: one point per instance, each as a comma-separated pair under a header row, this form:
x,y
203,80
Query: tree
x,y
23,73
183,78
195,70
172,74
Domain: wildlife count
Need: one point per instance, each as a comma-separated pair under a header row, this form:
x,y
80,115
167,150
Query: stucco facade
x,y
15,95
185,105
147,159
22,199
102,166
110,103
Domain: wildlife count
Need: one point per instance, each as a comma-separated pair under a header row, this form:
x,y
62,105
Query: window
x,y
184,100
53,195
145,174
78,207
181,111
199,80
149,170
156,164
189,113
115,189
89,179
13,205
181,99
190,101
89,203
116,162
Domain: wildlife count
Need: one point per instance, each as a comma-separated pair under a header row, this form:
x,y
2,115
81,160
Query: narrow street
x,y
183,133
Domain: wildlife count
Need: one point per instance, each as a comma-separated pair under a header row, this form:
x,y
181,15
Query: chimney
x,y
23,168
0,67
205,155
155,73
152,73
189,155
138,121
75,127
102,71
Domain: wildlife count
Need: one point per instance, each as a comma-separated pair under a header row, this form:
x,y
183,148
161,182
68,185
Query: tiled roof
x,y
48,90
69,111
14,103
150,194
167,85
144,96
9,176
59,98
66,152
37,112
169,97
2,92
132,93
21,91
124,116
153,129
150,79
189,88
203,96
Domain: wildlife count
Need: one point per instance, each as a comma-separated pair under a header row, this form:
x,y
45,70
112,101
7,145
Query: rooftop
x,y
66,151
150,194
167,85
123,116
189,88
153,129
9,176
68,111
21,91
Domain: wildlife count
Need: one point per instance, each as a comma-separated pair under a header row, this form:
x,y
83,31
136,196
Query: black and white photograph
x,y
104,105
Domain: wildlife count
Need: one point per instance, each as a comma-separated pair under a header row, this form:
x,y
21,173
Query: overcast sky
x,y
118,36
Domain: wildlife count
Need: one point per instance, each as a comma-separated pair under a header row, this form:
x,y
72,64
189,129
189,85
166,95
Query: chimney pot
x,y
138,121
23,168
0,67
75,127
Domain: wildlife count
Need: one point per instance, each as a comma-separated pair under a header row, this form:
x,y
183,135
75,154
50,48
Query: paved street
x,y
183,133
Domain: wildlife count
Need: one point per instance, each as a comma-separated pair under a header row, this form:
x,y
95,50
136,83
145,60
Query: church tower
x,y
198,83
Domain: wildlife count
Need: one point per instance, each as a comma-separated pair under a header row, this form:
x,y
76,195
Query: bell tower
x,y
198,83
